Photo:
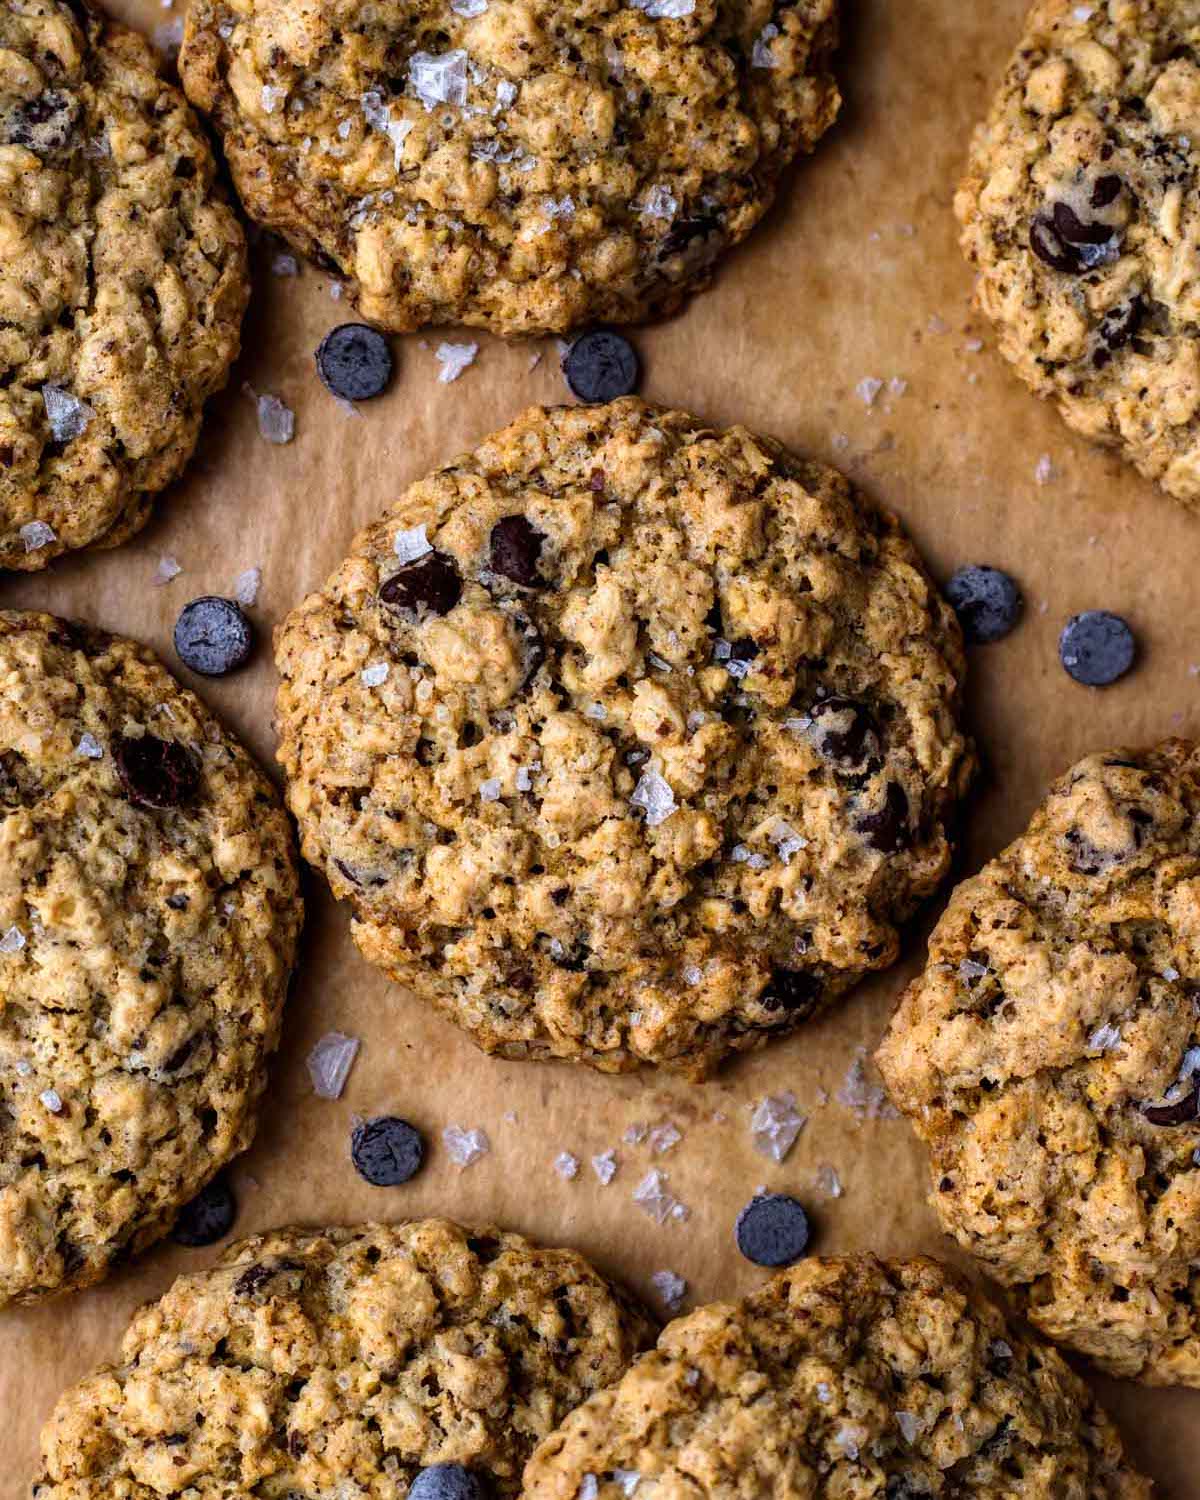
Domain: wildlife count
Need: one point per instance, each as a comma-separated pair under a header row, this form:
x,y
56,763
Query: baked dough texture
x,y
520,165
1080,211
849,1379
628,740
342,1362
149,909
1048,1058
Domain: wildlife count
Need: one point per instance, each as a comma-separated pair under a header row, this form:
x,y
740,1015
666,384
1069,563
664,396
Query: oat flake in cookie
x,y
1081,212
149,907
519,165
309,1363
122,281
628,740
1050,1059
849,1379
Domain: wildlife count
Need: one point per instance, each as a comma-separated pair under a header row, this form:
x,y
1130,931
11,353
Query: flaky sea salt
x,y
775,1124
167,569
376,674
329,1063
465,1147
276,421
908,1425
605,1167
828,1181
761,55
378,116
246,586
671,1288
659,203
1044,471
664,1138
1104,1039
635,1134
742,854
439,79
36,535
665,10
786,840
52,1100
67,414
523,780
411,544
653,1197
861,1095
284,264
454,359
867,390
655,797
272,97
12,941
1170,974
567,1166
589,1487
628,1479
468,9
89,747
489,790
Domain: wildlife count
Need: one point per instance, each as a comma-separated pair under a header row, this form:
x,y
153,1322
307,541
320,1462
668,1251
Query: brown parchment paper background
x,y
856,274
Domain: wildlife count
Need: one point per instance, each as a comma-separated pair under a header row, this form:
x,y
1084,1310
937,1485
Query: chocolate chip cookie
x,y
1081,212
519,165
122,281
311,1363
628,740
1050,1059
149,907
845,1379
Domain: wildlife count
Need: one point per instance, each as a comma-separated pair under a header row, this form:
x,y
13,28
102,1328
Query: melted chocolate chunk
x,y
845,732
156,773
1075,231
793,990
1185,1111
431,584
887,829
516,549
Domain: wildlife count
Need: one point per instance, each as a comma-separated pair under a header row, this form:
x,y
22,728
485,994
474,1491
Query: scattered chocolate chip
x,y
386,1151
447,1482
156,773
355,362
743,650
213,636
987,602
845,732
601,366
208,1217
1097,648
887,829
1185,1111
431,583
793,990
516,549
772,1230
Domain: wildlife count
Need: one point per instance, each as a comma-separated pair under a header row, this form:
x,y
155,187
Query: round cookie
x,y
149,909
1049,1059
629,740
122,281
315,1363
849,1379
1081,212
518,165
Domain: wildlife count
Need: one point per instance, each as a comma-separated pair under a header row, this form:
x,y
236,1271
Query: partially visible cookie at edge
x,y
149,911
517,165
628,740
123,281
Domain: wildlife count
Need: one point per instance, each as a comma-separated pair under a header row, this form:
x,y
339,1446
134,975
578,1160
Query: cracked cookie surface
x,y
518,165
628,740
149,908
122,281
849,1379
1049,1057
305,1362
1081,212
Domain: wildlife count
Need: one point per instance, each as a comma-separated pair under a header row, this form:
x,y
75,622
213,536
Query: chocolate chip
x,y
987,602
213,636
156,773
684,234
208,1217
43,125
1075,231
793,990
1121,323
386,1151
845,732
431,583
516,549
1050,247
772,1230
355,362
1184,1111
1097,648
887,829
600,366
1107,190
447,1482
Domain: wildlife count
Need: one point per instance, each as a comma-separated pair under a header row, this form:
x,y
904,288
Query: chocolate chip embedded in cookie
x,y
849,1379
149,909
122,279
420,1359
1078,211
1050,1059
526,167
628,740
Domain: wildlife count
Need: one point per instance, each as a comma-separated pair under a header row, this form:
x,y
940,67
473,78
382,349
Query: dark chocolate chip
x,y
516,550
355,362
1097,648
43,125
905,1487
987,602
447,1482
1107,190
685,234
845,732
600,366
254,1278
793,990
431,583
386,1151
887,829
772,1230
213,636
1121,323
1184,1111
1075,231
208,1217
156,773
1049,246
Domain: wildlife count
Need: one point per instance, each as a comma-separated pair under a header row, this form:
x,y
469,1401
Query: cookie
x,y
1048,1058
849,1379
149,909
122,281
628,740
517,165
312,1363
1079,211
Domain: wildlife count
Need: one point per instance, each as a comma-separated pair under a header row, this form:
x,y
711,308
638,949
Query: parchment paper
x,y
855,275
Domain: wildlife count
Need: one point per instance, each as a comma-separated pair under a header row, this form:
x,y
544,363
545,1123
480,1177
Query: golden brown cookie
x,y
149,908
849,1379
519,165
1050,1059
628,740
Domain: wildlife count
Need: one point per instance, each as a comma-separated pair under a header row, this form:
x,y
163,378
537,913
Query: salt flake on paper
x,y
867,390
36,535
829,1182
775,1124
439,79
246,587
276,421
671,1288
861,1095
653,1197
567,1166
655,797
12,941
329,1063
605,1167
89,747
454,359
67,414
167,569
465,1147
664,1138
